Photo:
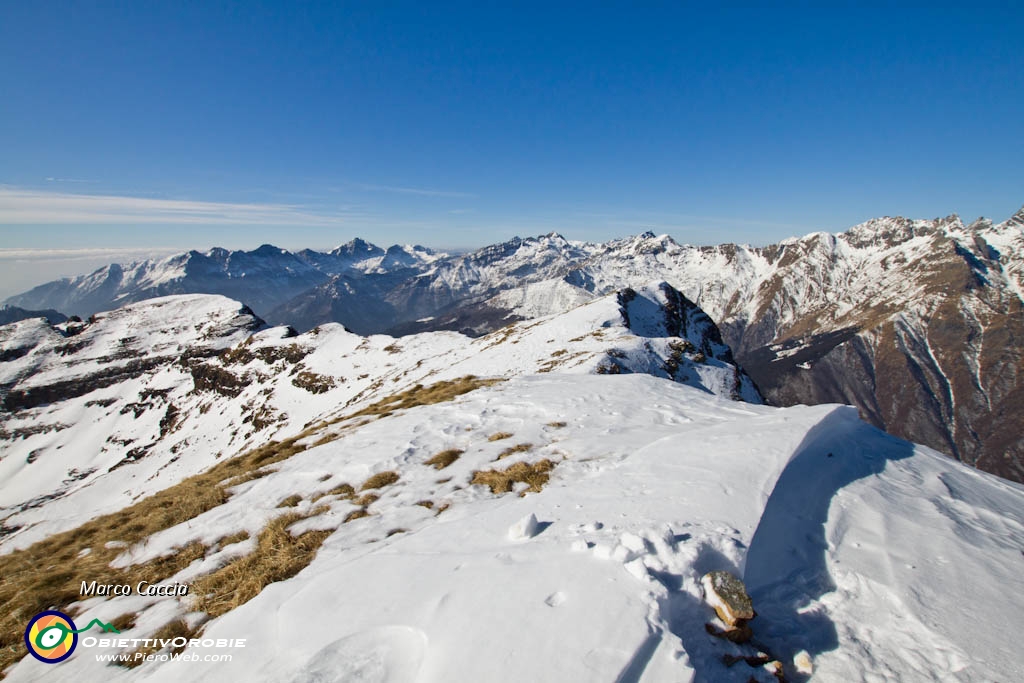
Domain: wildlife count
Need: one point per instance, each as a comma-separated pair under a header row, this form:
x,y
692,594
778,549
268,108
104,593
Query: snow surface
x,y
72,457
875,558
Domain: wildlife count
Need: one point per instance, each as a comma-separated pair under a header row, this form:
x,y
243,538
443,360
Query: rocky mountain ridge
x,y
918,323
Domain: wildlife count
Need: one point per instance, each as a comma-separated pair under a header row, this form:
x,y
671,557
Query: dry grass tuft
x,y
341,490
49,574
278,556
356,514
379,480
498,436
236,537
124,621
291,501
420,395
512,450
444,458
366,499
175,629
429,504
557,425
396,531
501,481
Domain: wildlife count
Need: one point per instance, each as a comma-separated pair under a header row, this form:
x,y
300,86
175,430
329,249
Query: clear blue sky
x,y
193,124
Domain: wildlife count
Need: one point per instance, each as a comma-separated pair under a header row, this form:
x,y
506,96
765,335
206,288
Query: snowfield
x,y
872,557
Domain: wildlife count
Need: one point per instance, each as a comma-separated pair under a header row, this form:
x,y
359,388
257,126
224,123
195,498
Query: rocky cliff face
x,y
918,323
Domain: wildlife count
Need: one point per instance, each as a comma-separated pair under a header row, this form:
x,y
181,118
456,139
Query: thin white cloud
x,y
412,190
51,179
21,206
85,253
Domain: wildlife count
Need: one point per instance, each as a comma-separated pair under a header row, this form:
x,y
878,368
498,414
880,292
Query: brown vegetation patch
x,y
291,501
279,555
49,575
512,450
342,490
429,504
498,436
379,480
366,499
501,481
558,424
444,458
420,395
356,514
236,537
175,629
125,621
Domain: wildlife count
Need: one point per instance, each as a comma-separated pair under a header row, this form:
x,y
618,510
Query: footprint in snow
x,y
391,654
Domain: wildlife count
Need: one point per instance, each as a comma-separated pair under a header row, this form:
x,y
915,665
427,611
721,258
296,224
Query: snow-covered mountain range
x,y
538,503
918,323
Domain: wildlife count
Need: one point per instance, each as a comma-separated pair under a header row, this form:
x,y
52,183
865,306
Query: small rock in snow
x,y
728,596
803,663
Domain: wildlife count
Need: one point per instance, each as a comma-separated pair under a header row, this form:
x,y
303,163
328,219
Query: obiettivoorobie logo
x,y
51,636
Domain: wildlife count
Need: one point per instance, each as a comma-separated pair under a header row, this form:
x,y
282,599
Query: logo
x,y
51,636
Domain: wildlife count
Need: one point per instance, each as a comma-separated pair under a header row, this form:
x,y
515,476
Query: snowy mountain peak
x,y
1016,220
357,247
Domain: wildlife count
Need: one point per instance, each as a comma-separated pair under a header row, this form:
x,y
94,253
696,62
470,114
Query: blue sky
x,y
147,125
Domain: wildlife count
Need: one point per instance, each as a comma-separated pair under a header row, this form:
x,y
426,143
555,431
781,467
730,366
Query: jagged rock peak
x,y
1017,219
357,246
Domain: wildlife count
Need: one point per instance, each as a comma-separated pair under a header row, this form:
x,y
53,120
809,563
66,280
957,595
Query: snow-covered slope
x,y
145,386
535,504
878,559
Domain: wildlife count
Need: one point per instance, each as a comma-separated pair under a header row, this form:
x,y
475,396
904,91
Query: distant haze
x,y
23,269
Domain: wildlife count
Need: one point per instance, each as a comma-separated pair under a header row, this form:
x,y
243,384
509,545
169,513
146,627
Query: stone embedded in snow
x,y
527,527
803,663
728,596
775,669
